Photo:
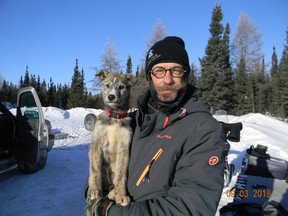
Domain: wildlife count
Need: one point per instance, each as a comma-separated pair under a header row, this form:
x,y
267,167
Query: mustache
x,y
172,87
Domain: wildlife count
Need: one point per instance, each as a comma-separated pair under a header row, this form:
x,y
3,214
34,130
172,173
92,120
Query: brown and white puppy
x,y
111,138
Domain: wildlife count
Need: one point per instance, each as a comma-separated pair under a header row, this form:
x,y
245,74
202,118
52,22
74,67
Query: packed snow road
x,y
58,189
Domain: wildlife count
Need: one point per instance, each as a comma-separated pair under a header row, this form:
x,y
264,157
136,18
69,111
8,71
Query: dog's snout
x,y
111,97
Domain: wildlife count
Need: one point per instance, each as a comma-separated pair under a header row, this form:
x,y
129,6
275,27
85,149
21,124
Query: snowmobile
x,y
232,133
261,187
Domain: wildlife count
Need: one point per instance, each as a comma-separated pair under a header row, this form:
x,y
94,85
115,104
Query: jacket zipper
x,y
145,173
165,122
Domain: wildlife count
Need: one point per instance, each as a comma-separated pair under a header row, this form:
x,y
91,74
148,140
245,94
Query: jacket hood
x,y
191,104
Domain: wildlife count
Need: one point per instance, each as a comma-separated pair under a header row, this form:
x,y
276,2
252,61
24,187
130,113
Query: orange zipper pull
x,y
165,122
147,168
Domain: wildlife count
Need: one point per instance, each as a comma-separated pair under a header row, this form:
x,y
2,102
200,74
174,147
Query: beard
x,y
168,93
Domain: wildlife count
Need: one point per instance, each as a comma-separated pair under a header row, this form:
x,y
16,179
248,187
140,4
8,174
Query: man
x,y
176,165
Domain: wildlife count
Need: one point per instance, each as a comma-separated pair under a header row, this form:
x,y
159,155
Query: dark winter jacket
x,y
176,165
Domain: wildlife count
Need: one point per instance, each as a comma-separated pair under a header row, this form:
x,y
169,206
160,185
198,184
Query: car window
x,y
28,106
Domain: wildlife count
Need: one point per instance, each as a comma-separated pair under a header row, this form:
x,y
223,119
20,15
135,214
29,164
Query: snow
x,y
58,189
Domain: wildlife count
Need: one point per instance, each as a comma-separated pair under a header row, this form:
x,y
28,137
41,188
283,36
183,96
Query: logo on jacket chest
x,y
164,136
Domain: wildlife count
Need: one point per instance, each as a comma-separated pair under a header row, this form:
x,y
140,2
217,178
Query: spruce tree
x,y
4,91
251,89
26,81
38,84
283,80
216,76
129,65
21,82
43,94
33,81
224,84
137,72
51,93
64,95
241,88
262,89
274,63
275,97
76,95
192,76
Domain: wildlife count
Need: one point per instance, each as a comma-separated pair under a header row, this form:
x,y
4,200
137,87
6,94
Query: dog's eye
x,y
121,87
107,85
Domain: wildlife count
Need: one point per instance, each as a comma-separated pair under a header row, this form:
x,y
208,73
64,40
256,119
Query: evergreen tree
x,y
21,82
274,63
51,93
262,90
251,89
216,77
224,84
12,93
83,88
192,76
283,80
38,85
208,70
275,94
137,72
142,85
26,81
8,92
241,88
129,65
4,92
76,95
33,81
63,96
58,95
43,94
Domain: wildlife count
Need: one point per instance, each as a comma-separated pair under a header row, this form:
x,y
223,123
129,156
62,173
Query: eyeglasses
x,y
160,72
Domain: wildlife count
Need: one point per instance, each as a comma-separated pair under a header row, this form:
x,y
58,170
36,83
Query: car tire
x,y
32,168
51,136
27,168
89,121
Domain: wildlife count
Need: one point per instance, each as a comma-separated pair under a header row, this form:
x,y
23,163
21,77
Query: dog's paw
x,y
111,195
93,193
120,199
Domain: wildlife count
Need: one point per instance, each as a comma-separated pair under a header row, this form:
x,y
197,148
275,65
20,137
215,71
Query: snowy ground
x,y
58,189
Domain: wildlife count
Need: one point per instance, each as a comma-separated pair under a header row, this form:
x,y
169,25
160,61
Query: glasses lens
x,y
159,72
177,71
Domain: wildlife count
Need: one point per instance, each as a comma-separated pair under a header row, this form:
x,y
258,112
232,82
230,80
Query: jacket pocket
x,y
145,174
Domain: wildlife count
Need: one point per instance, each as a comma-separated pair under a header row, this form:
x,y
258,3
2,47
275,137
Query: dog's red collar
x,y
116,115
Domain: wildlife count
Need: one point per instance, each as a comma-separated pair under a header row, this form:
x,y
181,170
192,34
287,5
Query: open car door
x,y
31,131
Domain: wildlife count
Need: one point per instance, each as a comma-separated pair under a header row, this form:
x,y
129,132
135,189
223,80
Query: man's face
x,y
168,86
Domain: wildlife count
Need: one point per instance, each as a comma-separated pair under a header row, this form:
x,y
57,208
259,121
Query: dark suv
x,y
26,138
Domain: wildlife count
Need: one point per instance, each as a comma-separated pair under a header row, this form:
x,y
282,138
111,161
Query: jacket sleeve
x,y
198,180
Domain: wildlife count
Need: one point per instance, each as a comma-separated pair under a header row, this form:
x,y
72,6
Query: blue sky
x,y
48,35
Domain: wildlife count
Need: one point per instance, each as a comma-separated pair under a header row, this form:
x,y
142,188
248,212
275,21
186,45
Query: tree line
x,y
233,74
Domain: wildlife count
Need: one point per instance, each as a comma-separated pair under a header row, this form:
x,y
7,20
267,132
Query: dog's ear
x,y
131,79
102,74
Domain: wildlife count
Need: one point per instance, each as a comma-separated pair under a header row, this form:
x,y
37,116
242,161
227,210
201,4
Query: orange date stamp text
x,y
256,193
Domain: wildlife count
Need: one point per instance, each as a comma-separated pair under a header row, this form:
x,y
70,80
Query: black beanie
x,y
170,49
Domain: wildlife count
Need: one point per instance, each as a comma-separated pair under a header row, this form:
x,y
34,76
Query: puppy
x,y
111,138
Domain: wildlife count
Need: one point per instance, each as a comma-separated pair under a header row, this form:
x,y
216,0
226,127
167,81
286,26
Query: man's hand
x,y
98,207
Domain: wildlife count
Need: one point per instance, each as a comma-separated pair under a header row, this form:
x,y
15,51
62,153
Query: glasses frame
x,y
170,70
